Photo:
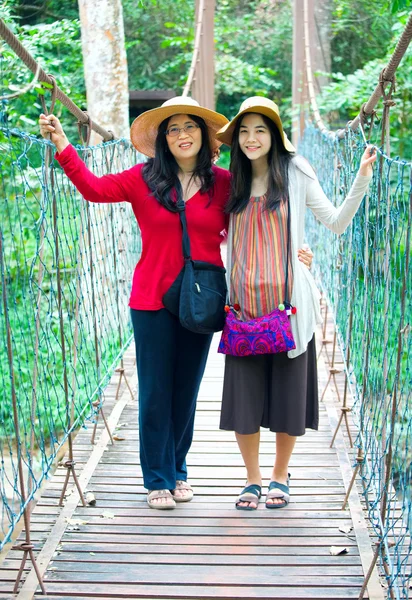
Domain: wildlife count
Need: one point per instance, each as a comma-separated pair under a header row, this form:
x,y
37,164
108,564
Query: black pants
x,y
170,365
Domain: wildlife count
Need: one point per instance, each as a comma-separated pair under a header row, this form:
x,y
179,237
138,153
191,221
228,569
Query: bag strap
x,y
287,300
230,239
181,208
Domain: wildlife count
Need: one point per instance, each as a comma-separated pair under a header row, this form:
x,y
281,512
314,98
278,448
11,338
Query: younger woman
x,y
276,391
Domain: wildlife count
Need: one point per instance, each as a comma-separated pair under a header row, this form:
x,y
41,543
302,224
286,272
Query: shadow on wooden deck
x,y
206,549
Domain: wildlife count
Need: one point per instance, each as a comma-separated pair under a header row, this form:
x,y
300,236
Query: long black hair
x,y
241,168
161,172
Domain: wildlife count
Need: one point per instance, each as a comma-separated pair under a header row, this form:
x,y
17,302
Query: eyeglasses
x,y
174,131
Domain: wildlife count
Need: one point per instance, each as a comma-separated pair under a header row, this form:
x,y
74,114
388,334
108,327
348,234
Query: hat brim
x,y
144,129
225,135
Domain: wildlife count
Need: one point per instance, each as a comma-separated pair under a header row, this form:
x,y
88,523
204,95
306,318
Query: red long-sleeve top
x,y
162,258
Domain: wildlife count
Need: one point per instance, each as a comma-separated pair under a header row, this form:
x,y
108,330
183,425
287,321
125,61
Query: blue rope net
x,y
365,276
65,273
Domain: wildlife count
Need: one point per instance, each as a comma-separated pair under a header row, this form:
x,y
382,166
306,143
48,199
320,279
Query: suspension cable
x,y
199,26
309,74
29,61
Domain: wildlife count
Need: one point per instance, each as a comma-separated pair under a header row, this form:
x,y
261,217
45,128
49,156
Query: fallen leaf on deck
x,y
345,528
107,515
118,438
337,550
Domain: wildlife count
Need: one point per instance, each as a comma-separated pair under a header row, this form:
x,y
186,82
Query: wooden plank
x,y
199,548
209,592
203,575
119,522
125,571
339,564
87,560
108,531
182,539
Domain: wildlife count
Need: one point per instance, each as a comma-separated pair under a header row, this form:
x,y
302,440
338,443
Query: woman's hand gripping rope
x,y
51,129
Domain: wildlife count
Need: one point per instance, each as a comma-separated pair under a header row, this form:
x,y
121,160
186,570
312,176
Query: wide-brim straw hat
x,y
262,106
145,127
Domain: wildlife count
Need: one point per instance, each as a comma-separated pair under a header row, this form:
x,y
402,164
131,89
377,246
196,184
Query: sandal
x,y
278,490
250,493
153,495
183,486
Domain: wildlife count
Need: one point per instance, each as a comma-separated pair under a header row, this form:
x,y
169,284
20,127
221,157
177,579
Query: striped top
x,y
259,251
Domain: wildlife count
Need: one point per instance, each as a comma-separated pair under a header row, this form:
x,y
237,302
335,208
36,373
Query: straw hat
x,y
262,106
144,128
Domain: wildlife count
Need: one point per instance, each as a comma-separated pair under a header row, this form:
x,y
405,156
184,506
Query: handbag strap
x,y
229,256
181,208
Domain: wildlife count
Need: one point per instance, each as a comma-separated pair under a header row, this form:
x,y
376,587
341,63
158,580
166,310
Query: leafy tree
x,y
56,46
360,33
343,98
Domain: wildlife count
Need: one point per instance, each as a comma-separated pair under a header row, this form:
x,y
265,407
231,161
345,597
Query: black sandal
x,y
251,493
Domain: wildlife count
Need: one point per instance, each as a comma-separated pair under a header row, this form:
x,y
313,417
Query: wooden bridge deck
x,y
204,549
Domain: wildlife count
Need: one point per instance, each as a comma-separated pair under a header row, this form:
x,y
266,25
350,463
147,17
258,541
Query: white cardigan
x,y
305,191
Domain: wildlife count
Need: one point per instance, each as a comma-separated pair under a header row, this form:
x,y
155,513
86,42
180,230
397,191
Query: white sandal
x,y
153,495
184,487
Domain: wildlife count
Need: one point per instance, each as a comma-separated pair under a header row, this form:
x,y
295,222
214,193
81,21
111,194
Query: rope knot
x,y
53,96
87,125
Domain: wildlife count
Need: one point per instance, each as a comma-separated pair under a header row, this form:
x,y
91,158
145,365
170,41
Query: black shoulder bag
x,y
198,294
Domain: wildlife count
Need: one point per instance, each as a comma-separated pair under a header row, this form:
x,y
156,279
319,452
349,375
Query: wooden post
x,y
319,33
203,88
298,66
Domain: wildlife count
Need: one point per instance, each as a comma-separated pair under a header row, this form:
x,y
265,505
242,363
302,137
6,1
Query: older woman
x,y
179,138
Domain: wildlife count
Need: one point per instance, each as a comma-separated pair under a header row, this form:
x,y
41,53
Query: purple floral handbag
x,y
268,334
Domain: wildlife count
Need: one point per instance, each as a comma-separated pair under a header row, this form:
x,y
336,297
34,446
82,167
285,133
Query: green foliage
x,y
254,50
360,33
343,98
250,59
57,47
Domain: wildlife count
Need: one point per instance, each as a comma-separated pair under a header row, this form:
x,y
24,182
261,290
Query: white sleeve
x,y
336,218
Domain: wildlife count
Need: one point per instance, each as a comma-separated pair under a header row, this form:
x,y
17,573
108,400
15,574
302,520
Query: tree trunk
x,y
105,64
105,67
204,80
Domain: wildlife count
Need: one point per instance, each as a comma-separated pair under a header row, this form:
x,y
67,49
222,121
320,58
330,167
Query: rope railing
x,y
9,37
64,263
366,278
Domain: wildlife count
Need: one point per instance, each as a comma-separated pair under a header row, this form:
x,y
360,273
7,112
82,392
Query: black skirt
x,y
271,390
